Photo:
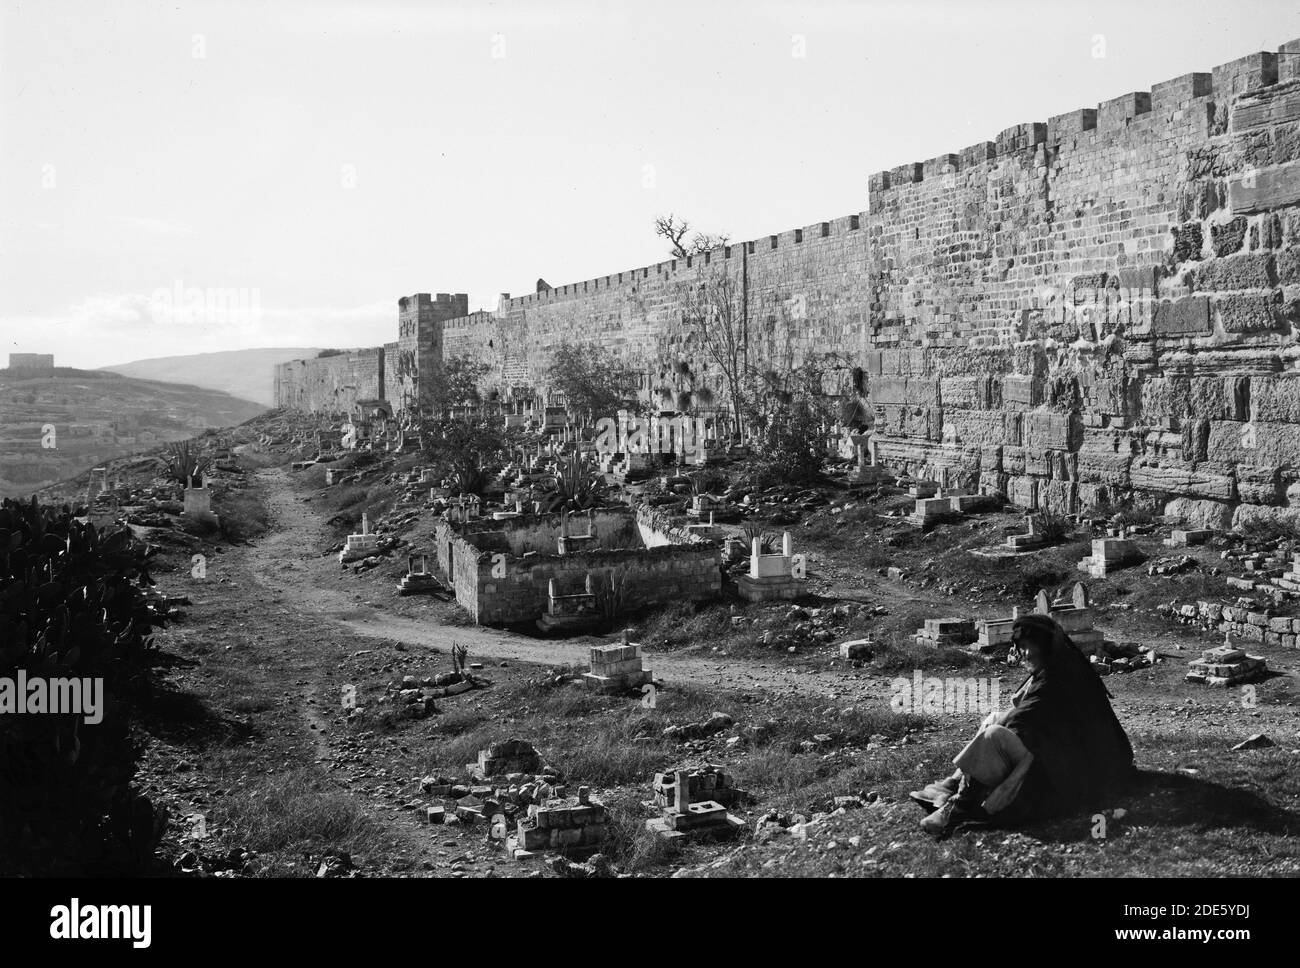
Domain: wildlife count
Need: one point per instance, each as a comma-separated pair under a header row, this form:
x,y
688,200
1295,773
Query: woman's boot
x,y
961,806
936,793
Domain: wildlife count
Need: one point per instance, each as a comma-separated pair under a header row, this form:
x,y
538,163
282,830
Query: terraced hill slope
x,y
94,416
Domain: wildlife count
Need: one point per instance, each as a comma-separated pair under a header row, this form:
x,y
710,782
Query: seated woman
x,y
1058,748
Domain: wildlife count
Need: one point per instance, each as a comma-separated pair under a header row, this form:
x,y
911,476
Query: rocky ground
x,y
266,773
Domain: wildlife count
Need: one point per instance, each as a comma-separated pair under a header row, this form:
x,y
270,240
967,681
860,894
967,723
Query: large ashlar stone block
x,y
1236,272
1188,443
1104,457
1258,485
1266,108
923,423
1250,514
1162,399
908,391
1044,429
1265,190
1181,477
1013,460
1188,316
1181,398
1288,61
1023,492
1244,361
1053,464
1021,392
974,427
1059,497
1249,313
1112,397
966,392
993,483
1276,399
1288,266
1259,443
1213,515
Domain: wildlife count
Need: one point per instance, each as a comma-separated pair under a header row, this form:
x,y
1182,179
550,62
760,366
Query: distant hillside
x,y
96,415
247,374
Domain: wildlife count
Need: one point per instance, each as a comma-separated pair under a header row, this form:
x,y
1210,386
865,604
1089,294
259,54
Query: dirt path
x,y
317,588
253,722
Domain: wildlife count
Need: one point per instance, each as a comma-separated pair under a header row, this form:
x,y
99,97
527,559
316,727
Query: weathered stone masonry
x,y
1090,308
1104,303
331,384
501,570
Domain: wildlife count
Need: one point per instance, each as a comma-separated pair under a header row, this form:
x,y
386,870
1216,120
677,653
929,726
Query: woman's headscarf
x,y
1064,716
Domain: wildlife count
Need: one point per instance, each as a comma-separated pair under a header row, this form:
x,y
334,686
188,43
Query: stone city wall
x,y
1092,308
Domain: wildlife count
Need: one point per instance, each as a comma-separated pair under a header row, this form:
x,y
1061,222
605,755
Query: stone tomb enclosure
x,y
946,632
616,668
361,545
1225,665
572,826
506,758
513,570
1109,554
772,576
1075,615
690,808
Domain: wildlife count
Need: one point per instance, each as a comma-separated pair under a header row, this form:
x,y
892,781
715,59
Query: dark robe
x,y
1081,752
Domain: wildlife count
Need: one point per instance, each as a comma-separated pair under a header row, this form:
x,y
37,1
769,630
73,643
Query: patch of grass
x,y
609,758
633,848
347,496
248,705
689,623
290,814
457,722
903,656
845,531
244,514
252,460
777,771
463,748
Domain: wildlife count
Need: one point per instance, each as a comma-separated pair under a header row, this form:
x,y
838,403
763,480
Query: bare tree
x,y
674,233
712,309
703,242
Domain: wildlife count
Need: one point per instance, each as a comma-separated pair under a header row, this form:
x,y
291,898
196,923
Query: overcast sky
x,y
328,157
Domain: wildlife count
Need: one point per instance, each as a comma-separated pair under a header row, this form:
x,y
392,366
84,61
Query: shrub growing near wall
x,y
71,607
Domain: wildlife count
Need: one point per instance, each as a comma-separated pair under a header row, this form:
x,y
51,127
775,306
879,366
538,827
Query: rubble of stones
x,y
795,627
1244,620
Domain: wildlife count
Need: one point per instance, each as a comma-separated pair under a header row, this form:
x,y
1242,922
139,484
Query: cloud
x,y
160,227
108,329
893,14
387,19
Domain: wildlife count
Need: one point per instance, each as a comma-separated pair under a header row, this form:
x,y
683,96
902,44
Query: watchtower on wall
x,y
419,343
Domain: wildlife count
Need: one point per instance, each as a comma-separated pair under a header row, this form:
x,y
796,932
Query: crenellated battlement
x,y
1157,106
1097,307
672,268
